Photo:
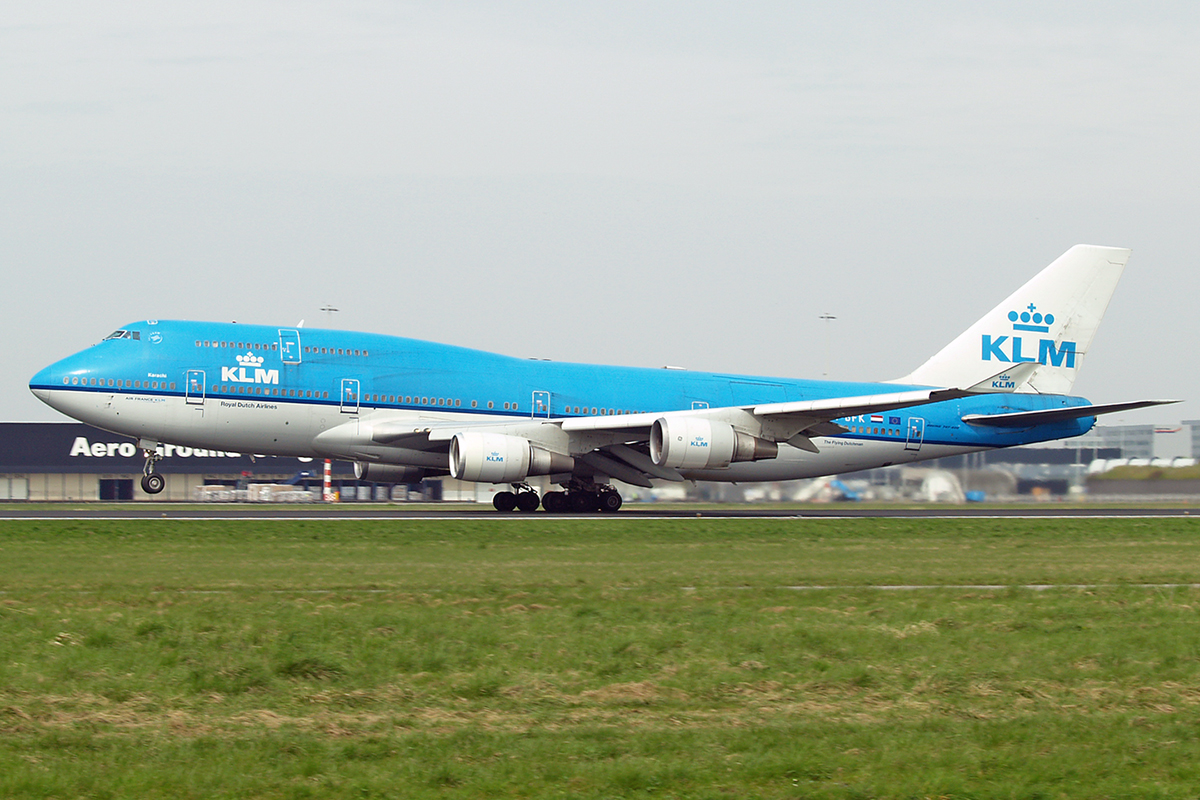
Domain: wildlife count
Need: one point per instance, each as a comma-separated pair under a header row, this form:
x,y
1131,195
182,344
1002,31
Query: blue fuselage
x,y
269,390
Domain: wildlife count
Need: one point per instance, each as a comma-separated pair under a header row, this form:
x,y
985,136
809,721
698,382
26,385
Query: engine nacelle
x,y
697,443
499,458
388,473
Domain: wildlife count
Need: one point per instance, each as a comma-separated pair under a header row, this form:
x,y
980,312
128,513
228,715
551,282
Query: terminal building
x,y
64,461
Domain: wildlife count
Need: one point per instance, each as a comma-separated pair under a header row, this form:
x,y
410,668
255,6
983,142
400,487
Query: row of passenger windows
x,y
601,412
238,345
332,351
235,389
430,401
377,398
371,398
442,401
119,383
874,431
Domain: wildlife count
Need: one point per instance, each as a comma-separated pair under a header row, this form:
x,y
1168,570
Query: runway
x,y
459,511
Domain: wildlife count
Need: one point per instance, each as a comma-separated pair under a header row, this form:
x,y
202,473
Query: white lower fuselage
x,y
269,426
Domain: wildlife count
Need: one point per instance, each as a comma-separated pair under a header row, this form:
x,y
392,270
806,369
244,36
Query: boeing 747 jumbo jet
x,y
402,409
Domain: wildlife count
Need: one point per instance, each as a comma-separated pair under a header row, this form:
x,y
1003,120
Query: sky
x,y
639,183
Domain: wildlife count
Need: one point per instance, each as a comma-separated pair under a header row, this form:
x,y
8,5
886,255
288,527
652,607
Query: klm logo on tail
x,y
1016,349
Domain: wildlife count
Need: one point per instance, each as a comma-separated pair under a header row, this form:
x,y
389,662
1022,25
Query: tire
x,y
581,502
528,501
153,483
504,501
554,502
610,502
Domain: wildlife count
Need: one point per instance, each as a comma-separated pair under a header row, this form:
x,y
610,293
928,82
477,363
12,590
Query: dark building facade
x,y
53,461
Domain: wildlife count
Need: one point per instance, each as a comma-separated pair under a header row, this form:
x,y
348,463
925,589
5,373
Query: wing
x,y
794,422
633,448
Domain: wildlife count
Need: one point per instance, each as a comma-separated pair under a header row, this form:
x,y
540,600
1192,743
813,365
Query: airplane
x,y
402,409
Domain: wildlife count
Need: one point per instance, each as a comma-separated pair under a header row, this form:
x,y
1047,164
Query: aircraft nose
x,y
41,383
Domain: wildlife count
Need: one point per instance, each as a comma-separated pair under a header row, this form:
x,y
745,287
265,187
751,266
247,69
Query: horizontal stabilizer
x,y
1026,419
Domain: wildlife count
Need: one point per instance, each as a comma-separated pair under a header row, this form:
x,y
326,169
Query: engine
x,y
696,443
388,473
499,458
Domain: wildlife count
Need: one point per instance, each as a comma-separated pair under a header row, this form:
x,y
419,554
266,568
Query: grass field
x,y
525,657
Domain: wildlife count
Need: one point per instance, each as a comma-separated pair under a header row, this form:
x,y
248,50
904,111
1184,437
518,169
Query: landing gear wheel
x,y
581,502
153,483
528,501
504,501
554,502
609,502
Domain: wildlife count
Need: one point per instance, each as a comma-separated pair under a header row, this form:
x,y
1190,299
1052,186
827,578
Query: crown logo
x,y
249,360
1031,320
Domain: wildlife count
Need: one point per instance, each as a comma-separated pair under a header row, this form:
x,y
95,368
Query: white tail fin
x,y
1050,321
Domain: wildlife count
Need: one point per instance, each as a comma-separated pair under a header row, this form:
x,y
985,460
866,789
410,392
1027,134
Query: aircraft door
x,y
349,395
541,404
193,388
916,433
289,346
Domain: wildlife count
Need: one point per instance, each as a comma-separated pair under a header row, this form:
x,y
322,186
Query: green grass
x,y
527,657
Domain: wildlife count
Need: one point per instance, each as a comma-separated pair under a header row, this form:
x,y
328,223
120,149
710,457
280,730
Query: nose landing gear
x,y
152,482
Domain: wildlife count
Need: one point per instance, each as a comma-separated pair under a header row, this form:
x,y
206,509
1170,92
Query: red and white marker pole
x,y
327,490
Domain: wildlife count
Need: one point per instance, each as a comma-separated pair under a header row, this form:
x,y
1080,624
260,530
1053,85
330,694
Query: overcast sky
x,y
642,183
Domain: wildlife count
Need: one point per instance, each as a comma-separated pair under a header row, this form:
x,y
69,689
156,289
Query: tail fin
x,y
1050,321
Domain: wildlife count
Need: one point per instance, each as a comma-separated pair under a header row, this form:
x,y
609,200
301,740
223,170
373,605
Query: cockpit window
x,y
124,335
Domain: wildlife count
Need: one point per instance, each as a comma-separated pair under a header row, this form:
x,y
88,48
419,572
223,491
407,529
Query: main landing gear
x,y
152,482
579,498
524,499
